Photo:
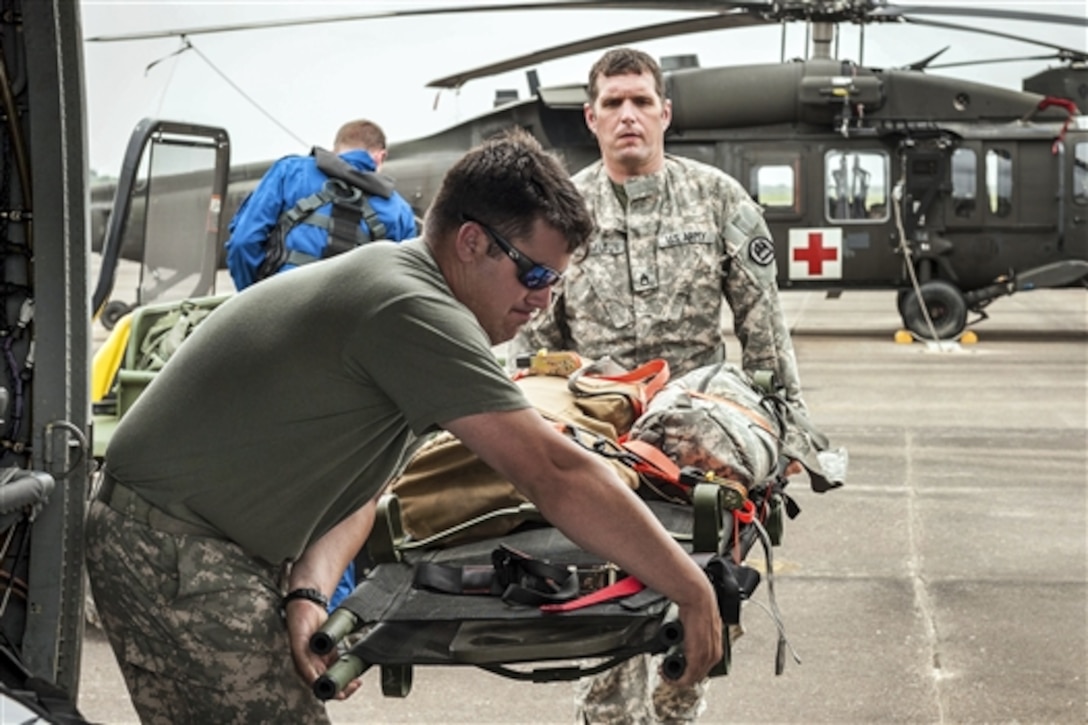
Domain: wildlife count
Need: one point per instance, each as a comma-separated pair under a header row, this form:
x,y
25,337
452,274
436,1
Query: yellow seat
x,y
108,358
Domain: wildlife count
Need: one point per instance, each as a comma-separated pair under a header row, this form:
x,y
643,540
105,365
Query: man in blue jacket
x,y
307,208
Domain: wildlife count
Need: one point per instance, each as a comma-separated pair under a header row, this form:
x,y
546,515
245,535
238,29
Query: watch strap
x,y
308,593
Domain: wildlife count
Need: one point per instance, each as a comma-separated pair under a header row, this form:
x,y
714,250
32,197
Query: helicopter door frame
x,y
1023,180
150,136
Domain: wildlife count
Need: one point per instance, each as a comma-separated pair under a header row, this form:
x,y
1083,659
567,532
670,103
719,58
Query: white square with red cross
x,y
815,253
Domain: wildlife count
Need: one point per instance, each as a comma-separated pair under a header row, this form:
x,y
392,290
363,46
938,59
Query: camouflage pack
x,y
718,419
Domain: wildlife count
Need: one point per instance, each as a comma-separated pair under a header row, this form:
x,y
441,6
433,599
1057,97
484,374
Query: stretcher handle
x,y
340,624
670,639
674,664
329,684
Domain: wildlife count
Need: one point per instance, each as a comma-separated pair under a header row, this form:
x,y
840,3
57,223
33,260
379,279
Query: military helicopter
x,y
952,192
45,331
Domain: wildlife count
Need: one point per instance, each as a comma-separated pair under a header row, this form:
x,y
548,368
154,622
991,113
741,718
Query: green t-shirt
x,y
296,401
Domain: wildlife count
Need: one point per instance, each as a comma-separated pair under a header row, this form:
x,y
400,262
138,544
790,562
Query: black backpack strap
x,y
276,253
369,182
349,207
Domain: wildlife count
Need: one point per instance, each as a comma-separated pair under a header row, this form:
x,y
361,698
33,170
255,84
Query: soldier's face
x,y
629,120
494,292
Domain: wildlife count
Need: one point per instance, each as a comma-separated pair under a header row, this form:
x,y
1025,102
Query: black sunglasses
x,y
530,273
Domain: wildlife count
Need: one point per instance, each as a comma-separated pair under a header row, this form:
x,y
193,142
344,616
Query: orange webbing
x,y
649,378
653,461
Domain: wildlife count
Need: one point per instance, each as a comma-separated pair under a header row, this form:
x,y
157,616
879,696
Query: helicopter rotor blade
x,y
718,14
632,35
858,11
987,61
690,6
895,11
1069,53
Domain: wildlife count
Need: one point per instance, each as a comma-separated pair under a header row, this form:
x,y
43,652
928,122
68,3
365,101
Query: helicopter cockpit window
x,y
964,181
999,181
774,186
1080,173
856,185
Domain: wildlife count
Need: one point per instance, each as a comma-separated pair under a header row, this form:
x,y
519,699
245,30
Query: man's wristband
x,y
309,594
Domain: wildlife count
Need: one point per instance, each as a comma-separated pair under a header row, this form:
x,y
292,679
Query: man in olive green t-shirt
x,y
252,464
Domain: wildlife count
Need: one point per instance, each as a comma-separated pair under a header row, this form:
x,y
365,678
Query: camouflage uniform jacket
x,y
656,273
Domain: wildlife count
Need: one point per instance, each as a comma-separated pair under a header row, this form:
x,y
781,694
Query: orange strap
x,y
649,378
653,461
653,375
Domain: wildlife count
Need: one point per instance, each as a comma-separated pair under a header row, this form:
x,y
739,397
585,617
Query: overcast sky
x,y
312,78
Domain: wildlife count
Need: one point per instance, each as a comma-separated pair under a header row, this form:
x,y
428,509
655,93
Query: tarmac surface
x,y
947,582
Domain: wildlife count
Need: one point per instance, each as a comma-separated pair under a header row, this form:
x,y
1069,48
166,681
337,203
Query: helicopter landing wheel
x,y
112,312
946,307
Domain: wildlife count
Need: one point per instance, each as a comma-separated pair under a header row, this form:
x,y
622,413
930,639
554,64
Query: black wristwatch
x,y
308,594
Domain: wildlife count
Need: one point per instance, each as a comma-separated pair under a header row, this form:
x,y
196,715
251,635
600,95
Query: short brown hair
x,y
360,134
620,61
508,182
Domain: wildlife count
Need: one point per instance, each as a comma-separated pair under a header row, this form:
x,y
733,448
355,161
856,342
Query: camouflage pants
x,y
194,624
634,693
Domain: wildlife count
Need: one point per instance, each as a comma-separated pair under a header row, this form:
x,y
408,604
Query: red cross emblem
x,y
815,254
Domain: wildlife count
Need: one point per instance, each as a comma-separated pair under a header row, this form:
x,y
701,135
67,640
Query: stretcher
x,y
513,605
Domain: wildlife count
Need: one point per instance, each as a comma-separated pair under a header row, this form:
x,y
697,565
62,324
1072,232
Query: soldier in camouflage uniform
x,y
675,238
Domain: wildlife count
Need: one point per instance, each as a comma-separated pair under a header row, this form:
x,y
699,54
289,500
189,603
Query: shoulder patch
x,y
761,251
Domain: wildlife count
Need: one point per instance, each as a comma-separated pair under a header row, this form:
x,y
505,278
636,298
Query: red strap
x,y
623,588
1064,103
1069,107
653,461
747,513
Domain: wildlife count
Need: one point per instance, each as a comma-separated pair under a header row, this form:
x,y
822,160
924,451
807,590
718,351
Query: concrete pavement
x,y
946,583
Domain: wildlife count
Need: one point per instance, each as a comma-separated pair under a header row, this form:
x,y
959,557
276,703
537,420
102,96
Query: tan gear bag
x,y
446,485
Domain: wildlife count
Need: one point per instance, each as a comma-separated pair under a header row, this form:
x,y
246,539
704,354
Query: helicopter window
x,y
1080,173
999,181
773,186
856,185
173,265
964,181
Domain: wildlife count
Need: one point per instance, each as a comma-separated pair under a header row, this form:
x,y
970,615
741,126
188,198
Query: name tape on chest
x,y
677,239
